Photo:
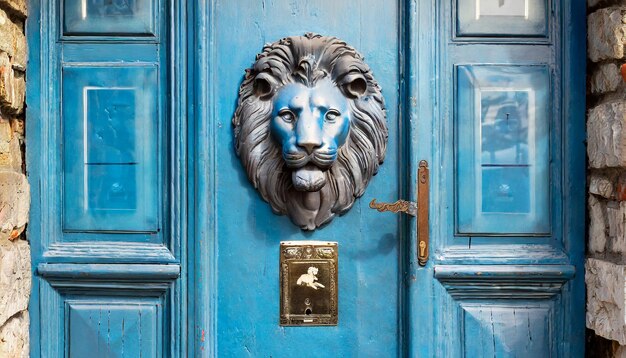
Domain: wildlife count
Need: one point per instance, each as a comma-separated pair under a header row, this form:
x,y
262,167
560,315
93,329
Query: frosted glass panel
x,y
503,156
502,18
109,17
110,123
501,8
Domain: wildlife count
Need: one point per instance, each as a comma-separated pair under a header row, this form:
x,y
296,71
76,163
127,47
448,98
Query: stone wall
x,y
15,271
605,274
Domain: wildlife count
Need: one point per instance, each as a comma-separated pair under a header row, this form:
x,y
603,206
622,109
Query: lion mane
x,y
307,59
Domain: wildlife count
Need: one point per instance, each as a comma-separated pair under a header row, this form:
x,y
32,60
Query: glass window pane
x,y
110,162
502,164
502,18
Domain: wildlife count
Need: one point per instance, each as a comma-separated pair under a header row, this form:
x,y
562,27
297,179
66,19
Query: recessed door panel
x,y
104,328
507,329
502,18
110,127
105,18
503,119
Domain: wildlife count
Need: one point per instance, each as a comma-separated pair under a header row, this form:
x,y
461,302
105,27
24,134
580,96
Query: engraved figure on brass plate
x,y
310,127
309,278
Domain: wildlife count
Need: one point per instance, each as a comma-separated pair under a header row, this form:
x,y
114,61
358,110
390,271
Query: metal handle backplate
x,y
423,191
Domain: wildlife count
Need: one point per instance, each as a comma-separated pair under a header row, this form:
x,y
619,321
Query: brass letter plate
x,y
308,283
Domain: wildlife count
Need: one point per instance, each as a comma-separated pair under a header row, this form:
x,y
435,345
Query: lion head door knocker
x,y
310,127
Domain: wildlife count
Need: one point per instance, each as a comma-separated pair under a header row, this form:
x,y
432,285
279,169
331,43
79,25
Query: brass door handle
x,y
419,209
400,206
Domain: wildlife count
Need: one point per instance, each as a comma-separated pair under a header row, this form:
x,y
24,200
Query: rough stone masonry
x,y
15,270
605,274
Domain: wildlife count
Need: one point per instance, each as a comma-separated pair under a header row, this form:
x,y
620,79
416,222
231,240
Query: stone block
x,y
607,33
12,86
606,299
15,278
616,218
17,126
606,78
15,151
17,7
12,39
597,225
602,185
14,203
606,135
6,136
14,339
603,3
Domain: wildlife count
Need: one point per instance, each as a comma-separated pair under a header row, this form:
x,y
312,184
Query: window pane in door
x,y
501,18
502,117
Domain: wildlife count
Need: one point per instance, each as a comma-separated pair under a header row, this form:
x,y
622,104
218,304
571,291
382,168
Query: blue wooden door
x,y
150,240
499,110
245,235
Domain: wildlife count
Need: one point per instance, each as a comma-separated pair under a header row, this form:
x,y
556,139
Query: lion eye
x,y
287,115
332,115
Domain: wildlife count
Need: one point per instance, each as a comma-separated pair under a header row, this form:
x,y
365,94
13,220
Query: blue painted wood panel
x,y
507,330
502,18
107,329
248,234
110,121
110,18
489,254
107,224
503,119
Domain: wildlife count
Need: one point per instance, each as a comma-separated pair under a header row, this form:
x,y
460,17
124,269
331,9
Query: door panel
x,y
248,234
502,19
110,149
502,157
501,230
498,330
102,160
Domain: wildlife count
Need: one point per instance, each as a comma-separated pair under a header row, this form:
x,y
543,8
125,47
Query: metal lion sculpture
x,y
310,127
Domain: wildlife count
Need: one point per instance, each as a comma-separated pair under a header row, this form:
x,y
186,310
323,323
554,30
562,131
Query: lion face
x,y
310,127
310,124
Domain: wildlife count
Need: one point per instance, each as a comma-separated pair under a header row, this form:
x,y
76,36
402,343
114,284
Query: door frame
x,y
418,38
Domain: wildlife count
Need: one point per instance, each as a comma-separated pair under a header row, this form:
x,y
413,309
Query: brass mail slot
x,y
308,283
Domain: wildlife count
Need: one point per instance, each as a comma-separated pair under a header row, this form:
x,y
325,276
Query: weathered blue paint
x,y
480,18
110,156
484,282
107,149
502,150
248,298
201,263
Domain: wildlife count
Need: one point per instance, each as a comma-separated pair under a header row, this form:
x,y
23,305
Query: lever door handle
x,y
419,209
400,206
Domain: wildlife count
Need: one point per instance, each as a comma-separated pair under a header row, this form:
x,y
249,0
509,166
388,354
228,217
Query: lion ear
x,y
264,85
354,84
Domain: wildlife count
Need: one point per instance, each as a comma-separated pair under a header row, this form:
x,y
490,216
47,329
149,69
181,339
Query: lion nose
x,y
310,146
308,133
